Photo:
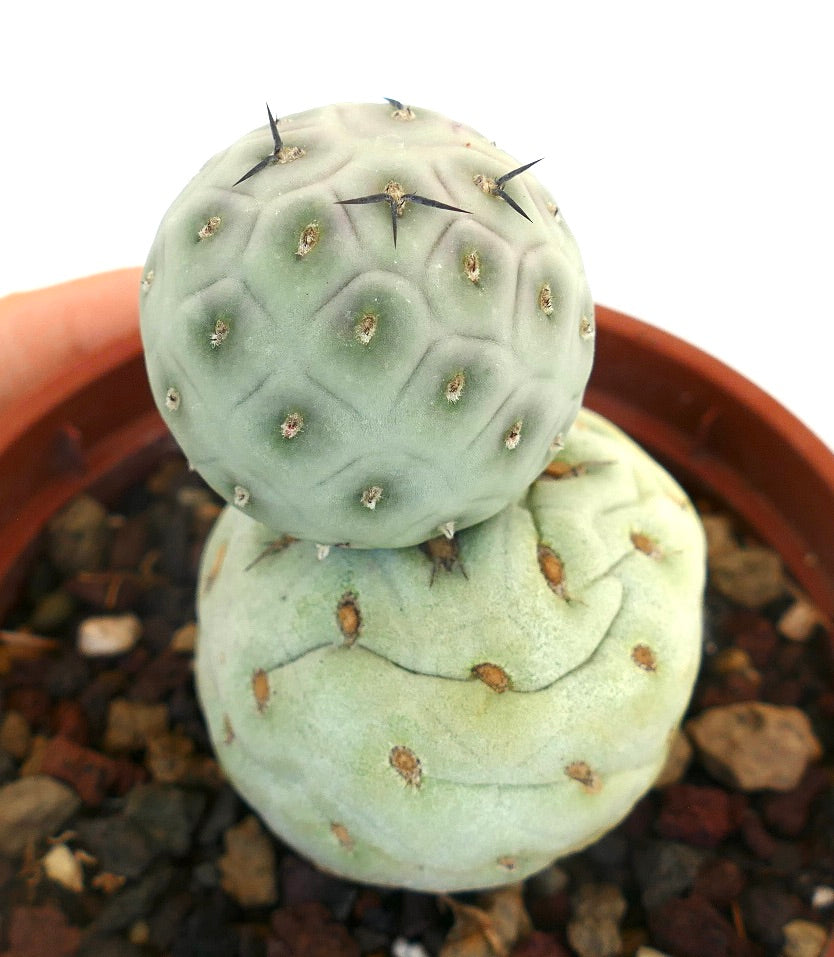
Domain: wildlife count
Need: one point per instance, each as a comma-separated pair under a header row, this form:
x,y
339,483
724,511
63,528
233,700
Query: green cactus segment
x,y
458,714
276,295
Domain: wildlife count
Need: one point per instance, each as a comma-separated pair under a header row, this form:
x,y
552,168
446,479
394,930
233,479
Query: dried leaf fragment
x,y
490,928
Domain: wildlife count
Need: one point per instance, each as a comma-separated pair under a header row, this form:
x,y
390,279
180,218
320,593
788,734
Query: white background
x,y
688,145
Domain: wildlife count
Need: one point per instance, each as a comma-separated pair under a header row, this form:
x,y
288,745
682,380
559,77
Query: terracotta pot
x,y
77,414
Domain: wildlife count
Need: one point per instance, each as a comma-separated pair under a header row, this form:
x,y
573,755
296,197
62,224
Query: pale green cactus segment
x,y
459,714
343,388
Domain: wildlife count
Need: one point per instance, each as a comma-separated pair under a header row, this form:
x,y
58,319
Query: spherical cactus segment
x,y
458,714
369,318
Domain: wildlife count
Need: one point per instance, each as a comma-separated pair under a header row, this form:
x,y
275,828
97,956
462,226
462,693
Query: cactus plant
x,y
457,714
365,323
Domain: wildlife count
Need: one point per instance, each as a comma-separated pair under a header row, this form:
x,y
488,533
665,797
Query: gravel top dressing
x,y
119,835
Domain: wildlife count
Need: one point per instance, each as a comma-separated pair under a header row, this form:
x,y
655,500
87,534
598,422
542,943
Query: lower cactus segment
x,y
458,714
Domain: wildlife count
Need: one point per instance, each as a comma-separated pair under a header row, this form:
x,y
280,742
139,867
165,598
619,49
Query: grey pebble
x,y
665,869
67,675
167,814
205,875
119,845
165,921
224,812
766,909
131,902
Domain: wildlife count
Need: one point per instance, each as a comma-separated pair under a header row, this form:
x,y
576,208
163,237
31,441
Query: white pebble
x,y
822,897
403,948
800,620
63,867
108,635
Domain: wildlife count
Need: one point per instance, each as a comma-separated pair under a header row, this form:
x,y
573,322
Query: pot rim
x,y
94,424
723,435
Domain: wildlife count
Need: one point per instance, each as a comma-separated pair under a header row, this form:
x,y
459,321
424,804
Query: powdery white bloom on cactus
x,y
394,287
458,714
